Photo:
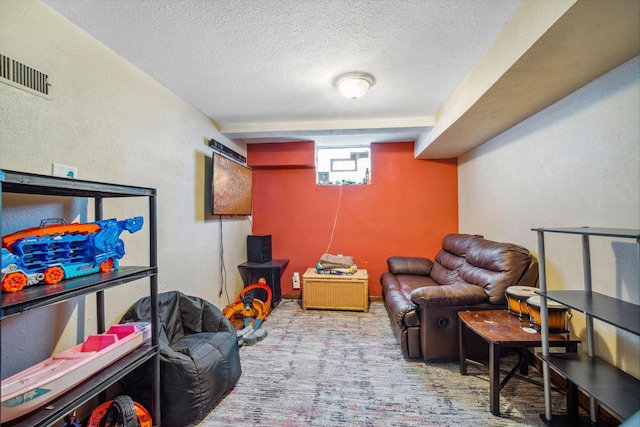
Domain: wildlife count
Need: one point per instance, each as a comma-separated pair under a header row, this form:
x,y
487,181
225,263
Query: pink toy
x,y
38,385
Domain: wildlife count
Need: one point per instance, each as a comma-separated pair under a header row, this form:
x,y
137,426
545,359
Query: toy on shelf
x,y
71,421
38,385
57,251
121,411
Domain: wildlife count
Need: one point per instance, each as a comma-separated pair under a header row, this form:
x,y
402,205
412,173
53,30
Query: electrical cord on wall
x,y
335,220
223,268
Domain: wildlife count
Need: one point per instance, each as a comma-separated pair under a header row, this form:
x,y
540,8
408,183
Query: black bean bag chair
x,y
199,358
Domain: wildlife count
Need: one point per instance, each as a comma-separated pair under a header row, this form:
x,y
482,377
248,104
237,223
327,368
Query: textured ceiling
x,y
266,68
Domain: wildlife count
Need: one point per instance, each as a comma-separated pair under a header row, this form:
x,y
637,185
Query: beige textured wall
x,y
116,125
576,163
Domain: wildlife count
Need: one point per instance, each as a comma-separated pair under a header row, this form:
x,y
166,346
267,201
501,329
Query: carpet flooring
x,y
337,368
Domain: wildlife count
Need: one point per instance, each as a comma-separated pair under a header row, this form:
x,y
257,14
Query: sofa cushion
x,y
450,258
494,266
407,283
458,293
458,244
409,265
445,269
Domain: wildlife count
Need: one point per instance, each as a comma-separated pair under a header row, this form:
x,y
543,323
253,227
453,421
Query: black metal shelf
x,y
595,231
36,296
605,383
621,314
28,183
86,390
612,387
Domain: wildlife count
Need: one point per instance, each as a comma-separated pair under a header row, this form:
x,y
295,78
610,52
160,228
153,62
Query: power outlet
x,y
64,171
296,280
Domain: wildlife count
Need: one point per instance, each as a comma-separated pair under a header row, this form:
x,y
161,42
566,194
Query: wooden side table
x,y
501,329
335,292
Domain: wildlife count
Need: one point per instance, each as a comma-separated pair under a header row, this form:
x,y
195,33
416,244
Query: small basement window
x,y
343,165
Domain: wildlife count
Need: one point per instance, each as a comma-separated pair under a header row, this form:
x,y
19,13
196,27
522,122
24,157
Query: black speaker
x,y
259,248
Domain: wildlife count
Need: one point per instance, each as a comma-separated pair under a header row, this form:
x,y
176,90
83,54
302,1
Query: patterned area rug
x,y
331,368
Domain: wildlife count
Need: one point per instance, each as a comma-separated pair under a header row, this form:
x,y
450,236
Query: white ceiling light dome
x,y
354,85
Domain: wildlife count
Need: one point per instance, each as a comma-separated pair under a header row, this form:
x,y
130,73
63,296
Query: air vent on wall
x,y
22,76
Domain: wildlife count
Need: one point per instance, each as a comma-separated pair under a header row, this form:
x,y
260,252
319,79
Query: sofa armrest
x,y
458,293
409,265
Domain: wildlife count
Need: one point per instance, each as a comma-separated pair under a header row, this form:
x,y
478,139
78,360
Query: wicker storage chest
x,y
335,292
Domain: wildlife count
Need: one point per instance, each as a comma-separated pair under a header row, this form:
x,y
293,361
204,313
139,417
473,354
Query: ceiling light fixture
x,y
354,85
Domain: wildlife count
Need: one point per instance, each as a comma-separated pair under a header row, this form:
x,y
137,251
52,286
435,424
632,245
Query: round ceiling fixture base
x,y
354,85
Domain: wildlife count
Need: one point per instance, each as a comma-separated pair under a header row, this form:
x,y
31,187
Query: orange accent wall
x,y
283,155
406,210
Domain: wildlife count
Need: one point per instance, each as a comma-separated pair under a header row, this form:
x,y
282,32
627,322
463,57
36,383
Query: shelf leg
x,y
586,268
155,325
544,328
101,323
101,326
494,378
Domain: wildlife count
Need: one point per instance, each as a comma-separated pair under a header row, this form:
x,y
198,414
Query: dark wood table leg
x,y
462,346
494,378
524,361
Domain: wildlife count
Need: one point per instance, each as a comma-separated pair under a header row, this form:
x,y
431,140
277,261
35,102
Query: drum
x,y
517,299
559,315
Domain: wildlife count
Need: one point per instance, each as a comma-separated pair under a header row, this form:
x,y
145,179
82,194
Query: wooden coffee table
x,y
501,329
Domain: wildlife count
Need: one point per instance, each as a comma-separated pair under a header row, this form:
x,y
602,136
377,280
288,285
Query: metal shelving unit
x,y
605,383
34,297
